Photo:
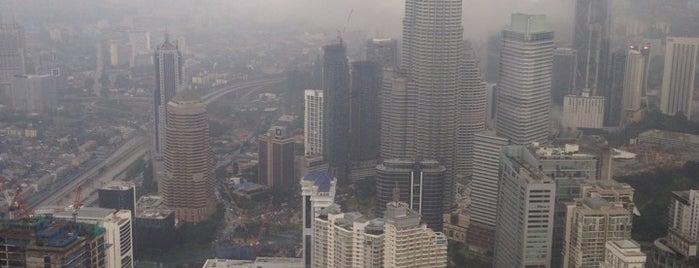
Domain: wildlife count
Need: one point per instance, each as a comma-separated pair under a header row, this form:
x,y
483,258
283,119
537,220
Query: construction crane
x,y
76,203
15,207
341,33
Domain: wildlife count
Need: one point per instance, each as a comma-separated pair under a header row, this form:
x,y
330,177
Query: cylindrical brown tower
x,y
187,186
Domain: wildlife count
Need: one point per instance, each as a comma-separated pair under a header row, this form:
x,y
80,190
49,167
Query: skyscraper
x,y
678,77
524,230
276,158
565,62
168,79
471,106
318,192
583,111
34,93
633,81
12,51
336,108
364,128
614,98
422,116
524,99
383,51
187,186
591,32
420,184
313,122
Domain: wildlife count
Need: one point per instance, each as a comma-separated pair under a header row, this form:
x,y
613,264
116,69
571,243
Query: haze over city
x,y
349,133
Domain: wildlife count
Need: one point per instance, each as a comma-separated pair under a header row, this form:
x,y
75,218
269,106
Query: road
x,y
132,150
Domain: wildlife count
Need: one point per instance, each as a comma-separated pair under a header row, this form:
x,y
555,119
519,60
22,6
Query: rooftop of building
x,y
609,184
152,207
320,179
260,262
119,185
627,244
670,135
46,232
528,172
595,202
527,23
569,150
83,212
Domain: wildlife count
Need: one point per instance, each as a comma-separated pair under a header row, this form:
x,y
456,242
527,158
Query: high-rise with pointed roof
x,y
168,79
434,104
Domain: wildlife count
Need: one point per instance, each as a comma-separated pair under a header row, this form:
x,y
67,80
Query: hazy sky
x,y
384,16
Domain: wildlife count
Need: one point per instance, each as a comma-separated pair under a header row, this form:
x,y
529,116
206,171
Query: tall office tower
x,y
187,186
565,61
591,222
313,122
633,82
383,51
420,184
408,242
471,104
34,93
276,158
118,232
61,246
678,77
433,58
526,199
591,34
12,51
398,107
168,79
318,191
583,111
525,80
347,240
364,128
623,254
336,108
118,195
615,96
484,191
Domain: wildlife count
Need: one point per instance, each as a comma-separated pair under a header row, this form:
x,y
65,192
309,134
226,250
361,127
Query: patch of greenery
x,y
653,192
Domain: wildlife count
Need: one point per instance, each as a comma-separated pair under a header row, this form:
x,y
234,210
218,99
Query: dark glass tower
x,y
591,40
364,111
168,79
336,90
420,184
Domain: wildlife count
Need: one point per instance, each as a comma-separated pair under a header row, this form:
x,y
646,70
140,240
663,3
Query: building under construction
x,y
50,242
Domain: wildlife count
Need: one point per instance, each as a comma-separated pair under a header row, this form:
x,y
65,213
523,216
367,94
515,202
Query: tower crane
x,y
76,203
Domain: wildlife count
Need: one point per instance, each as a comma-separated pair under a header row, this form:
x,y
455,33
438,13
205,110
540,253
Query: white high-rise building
x,y
678,76
484,183
118,234
524,230
472,107
591,222
623,254
408,243
683,227
318,192
633,81
583,111
313,122
347,240
524,90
